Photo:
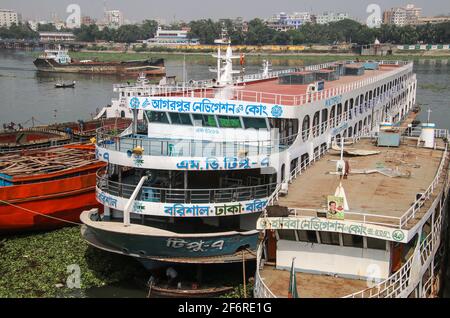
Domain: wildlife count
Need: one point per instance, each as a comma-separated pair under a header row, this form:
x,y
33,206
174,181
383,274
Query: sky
x,y
186,10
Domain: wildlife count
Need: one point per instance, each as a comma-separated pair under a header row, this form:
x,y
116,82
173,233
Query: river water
x,y
25,94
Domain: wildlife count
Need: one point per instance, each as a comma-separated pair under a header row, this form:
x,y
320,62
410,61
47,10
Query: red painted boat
x,y
46,189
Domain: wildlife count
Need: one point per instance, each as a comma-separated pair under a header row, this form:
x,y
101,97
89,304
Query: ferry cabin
x,y
206,159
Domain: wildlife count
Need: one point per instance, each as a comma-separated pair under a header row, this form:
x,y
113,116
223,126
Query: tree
x,y
148,29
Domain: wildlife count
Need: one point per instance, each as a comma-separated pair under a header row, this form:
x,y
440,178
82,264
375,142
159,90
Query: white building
x,y
328,17
56,36
284,22
402,16
8,17
114,18
172,37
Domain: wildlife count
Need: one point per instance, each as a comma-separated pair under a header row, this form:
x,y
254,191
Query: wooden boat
x,y
165,291
84,130
31,138
46,189
65,85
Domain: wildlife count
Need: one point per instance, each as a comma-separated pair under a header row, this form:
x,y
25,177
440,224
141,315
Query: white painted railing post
x,y
127,210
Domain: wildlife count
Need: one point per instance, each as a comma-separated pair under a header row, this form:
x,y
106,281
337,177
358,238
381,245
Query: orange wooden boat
x,y
46,189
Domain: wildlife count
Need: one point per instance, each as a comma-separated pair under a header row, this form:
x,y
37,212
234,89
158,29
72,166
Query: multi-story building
x,y
432,20
8,17
87,20
284,22
328,17
402,16
114,18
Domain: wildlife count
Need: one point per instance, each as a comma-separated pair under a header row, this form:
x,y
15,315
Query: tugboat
x,y
59,61
188,182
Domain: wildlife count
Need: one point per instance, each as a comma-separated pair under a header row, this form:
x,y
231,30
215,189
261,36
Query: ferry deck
x,y
373,199
268,89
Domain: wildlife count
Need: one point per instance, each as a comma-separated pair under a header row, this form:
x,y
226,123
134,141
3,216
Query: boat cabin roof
x,y
273,86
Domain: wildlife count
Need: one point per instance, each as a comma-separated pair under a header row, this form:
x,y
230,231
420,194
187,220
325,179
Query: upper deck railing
x,y
181,196
400,222
188,147
247,95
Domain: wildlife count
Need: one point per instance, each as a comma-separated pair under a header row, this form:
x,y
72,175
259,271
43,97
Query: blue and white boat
x,y
188,180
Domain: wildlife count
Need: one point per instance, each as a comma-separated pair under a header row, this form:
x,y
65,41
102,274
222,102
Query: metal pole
x,y
243,273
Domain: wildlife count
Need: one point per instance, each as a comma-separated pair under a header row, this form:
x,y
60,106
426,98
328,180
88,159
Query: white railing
x,y
359,216
191,90
400,283
367,218
417,205
303,166
260,289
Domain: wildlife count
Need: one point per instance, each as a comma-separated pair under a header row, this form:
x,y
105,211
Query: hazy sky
x,y
137,10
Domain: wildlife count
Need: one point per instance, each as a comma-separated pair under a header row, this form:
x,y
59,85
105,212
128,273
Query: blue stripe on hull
x,y
153,246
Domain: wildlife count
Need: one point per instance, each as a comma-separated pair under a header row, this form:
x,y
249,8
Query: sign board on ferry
x,y
339,226
207,106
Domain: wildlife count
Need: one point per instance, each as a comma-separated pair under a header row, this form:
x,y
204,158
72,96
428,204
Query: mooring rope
x,y
41,214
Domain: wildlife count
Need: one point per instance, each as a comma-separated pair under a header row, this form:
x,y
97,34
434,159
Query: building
x,y
432,20
56,36
114,18
285,22
33,25
328,17
8,17
401,16
87,20
172,37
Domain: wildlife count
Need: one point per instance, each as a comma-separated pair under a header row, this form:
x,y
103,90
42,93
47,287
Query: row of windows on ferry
x,y
332,116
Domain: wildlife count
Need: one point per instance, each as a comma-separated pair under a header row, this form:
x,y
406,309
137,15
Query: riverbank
x,y
306,57
106,56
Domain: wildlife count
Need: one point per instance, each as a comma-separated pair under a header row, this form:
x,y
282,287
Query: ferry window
x,y
332,115
180,119
307,236
352,240
305,128
376,244
339,114
207,120
294,164
316,124
157,117
229,122
346,110
330,238
256,123
287,235
324,120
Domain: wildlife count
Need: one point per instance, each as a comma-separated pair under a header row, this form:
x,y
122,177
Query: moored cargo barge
x,y
58,61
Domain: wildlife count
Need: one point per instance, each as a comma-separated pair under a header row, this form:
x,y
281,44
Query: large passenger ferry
x,y
188,180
